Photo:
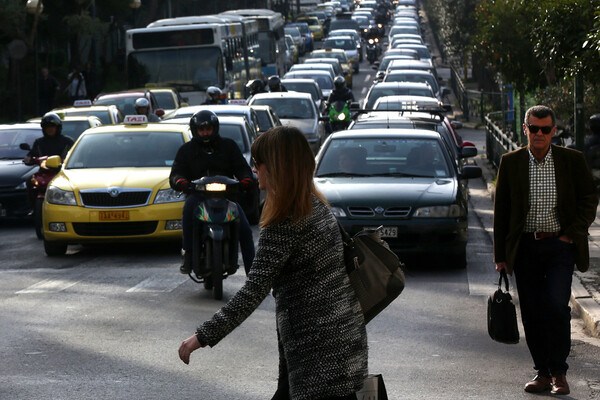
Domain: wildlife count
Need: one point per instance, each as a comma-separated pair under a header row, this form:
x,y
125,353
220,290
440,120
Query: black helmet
x,y
339,82
274,82
595,123
255,86
51,119
141,103
205,118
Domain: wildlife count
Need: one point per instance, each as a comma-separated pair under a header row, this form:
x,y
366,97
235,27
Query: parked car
x,y
14,175
296,109
402,180
306,86
114,187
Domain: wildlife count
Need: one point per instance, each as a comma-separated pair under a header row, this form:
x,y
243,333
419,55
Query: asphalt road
x,y
105,322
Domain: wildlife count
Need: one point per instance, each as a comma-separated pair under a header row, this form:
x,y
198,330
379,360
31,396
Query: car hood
x,y
387,191
306,126
81,179
14,172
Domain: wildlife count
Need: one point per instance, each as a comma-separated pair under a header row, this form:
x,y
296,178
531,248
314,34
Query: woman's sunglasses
x,y
534,129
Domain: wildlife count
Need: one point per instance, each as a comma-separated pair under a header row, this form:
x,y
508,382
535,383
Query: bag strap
x,y
505,277
345,237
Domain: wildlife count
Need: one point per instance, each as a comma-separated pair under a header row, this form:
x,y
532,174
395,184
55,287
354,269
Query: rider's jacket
x,y
344,94
196,159
58,145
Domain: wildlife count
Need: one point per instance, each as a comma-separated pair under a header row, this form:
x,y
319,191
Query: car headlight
x,y
168,196
338,212
55,195
451,211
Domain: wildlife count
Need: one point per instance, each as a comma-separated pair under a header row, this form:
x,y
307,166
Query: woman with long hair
x,y
321,331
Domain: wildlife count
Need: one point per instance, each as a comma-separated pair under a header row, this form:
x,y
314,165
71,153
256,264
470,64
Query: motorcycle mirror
x,y
54,162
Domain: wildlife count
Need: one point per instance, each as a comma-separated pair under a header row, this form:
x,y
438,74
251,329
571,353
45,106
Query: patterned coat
x,y
320,322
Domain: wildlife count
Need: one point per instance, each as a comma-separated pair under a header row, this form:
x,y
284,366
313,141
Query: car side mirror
x,y
54,162
24,146
470,172
468,151
445,91
456,124
355,105
184,105
380,75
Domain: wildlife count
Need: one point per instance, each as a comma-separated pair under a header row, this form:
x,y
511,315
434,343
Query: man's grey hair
x,y
540,111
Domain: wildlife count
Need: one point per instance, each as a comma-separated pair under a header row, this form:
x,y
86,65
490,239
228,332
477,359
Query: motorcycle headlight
x,y
341,116
371,41
215,187
450,211
168,196
55,195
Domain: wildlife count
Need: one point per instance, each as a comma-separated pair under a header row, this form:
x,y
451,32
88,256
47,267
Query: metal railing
x,y
497,142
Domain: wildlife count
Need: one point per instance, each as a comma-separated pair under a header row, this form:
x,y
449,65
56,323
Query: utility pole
x,y
578,119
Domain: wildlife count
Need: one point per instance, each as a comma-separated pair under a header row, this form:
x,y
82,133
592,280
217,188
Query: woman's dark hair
x,y
290,165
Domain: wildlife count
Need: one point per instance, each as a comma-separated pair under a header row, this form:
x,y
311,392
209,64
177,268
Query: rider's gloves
x,y
183,185
246,183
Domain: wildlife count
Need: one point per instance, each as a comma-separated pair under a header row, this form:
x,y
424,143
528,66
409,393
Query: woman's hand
x,y
187,347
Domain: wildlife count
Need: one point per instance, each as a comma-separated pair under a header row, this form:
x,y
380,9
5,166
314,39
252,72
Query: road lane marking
x,y
48,286
158,284
367,78
363,91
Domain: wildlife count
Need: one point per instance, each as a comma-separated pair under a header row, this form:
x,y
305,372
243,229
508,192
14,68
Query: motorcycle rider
x,y
255,86
340,91
209,154
592,143
275,85
214,96
142,107
53,143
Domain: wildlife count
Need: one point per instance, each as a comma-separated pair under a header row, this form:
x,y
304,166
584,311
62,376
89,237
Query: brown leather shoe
x,y
538,384
560,385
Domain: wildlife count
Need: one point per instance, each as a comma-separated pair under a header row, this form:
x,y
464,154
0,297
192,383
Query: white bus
x,y
193,53
270,37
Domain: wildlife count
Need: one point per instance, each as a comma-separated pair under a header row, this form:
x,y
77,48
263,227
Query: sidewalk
x,y
585,296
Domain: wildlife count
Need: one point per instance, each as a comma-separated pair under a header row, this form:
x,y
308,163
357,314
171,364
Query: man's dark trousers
x,y
544,272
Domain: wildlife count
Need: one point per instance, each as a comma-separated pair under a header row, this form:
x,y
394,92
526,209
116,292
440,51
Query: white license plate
x,y
386,231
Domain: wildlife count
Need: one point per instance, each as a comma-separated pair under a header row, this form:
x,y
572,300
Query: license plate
x,y
386,231
114,215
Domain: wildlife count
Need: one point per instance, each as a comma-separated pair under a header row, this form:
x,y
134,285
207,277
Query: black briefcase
x,y
502,315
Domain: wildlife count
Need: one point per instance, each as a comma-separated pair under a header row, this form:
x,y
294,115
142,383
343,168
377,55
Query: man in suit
x,y
545,202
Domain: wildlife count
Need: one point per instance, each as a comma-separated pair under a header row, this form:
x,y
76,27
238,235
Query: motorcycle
x,y
372,50
216,231
37,187
339,115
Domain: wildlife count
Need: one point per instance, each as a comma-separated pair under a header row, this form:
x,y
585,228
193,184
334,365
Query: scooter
x,y
372,50
216,232
339,115
38,185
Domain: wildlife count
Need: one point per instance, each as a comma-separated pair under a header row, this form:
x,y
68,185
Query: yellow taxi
x,y
108,114
314,25
114,186
341,56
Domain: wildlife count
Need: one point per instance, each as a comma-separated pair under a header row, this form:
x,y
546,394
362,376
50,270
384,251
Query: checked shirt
x,y
542,215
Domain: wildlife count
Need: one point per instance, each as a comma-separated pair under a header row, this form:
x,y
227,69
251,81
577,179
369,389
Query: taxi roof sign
x,y
135,120
238,101
82,103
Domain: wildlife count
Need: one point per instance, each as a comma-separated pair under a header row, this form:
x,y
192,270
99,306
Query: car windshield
x,y
304,88
336,43
73,129
10,139
397,91
234,132
409,77
125,104
289,108
103,115
376,157
165,100
124,149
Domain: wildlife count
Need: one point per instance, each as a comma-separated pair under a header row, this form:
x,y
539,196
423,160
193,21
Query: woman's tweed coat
x,y
321,326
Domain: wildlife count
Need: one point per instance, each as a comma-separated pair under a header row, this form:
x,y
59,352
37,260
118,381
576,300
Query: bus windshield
x,y
186,69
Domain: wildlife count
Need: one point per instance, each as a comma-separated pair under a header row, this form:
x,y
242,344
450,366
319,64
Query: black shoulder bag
x,y
502,315
374,271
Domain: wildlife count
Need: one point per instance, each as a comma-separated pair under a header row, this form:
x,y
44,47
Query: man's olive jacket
x,y
577,200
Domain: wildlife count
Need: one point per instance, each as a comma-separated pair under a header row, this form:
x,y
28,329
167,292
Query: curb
x,y
582,301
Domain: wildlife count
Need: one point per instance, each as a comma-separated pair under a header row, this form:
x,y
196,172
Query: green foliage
x,y
453,21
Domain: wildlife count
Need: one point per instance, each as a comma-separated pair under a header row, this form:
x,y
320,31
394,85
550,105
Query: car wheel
x,y
54,249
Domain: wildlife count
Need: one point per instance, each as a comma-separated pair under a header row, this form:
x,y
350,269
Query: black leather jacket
x,y
344,95
58,145
196,159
